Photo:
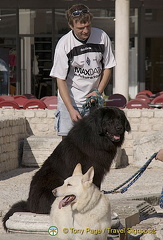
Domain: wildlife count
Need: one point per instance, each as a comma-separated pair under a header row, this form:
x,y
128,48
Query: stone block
x,y
144,147
149,229
148,113
157,126
29,114
135,127
134,113
129,151
9,112
158,113
144,127
41,113
28,223
144,120
42,127
51,114
37,149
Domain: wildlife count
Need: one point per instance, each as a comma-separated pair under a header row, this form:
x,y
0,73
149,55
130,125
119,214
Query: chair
x,y
1,99
137,103
19,96
147,92
43,98
34,104
20,100
143,97
51,102
116,100
48,97
157,102
29,96
159,94
9,104
7,97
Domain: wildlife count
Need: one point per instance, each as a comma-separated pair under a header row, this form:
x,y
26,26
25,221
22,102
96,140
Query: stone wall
x,y
40,122
12,133
144,122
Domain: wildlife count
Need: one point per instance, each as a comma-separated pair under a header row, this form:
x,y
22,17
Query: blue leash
x,y
161,199
134,178
97,99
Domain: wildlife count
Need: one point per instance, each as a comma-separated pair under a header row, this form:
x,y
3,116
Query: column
x,y
122,9
26,26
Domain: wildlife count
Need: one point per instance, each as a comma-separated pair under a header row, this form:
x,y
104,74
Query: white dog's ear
x,y
77,170
88,176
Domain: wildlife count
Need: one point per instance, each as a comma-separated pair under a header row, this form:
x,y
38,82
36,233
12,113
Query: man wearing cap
x,y
82,65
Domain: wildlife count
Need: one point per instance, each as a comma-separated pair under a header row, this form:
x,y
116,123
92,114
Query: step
x,y
37,149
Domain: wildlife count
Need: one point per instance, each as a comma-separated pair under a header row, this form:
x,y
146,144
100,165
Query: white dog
x,y
80,210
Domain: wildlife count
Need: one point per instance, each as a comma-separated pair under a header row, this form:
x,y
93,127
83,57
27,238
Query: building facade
x,y
29,31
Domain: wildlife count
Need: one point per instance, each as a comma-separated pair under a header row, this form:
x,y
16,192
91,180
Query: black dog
x,y
93,141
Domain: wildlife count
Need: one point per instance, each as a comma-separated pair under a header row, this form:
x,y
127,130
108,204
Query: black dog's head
x,y
111,123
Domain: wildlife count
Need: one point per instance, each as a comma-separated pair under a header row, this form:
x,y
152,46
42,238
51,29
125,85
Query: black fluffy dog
x,y
93,141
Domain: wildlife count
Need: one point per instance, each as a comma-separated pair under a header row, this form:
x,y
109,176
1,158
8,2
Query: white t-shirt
x,y
81,63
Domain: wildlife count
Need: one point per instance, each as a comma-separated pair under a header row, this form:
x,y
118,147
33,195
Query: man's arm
x,y
106,75
63,90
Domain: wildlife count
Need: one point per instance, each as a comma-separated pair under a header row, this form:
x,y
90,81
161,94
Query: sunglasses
x,y
77,13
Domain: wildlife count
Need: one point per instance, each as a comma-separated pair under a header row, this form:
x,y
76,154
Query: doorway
x,y
154,64
36,63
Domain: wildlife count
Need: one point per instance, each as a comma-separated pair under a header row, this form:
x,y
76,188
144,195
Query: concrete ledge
x,y
26,222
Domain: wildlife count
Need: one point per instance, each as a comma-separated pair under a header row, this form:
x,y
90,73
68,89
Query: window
x,y
35,21
7,21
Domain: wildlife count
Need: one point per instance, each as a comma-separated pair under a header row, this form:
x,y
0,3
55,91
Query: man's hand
x,y
159,155
94,93
75,115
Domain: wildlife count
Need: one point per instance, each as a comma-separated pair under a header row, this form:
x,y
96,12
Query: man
x,y
82,63
159,155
